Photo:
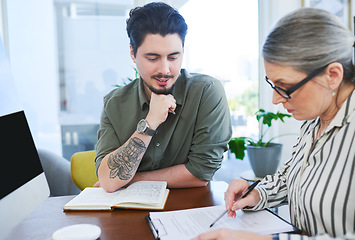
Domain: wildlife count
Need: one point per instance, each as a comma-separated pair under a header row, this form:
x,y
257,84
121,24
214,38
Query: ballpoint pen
x,y
250,188
171,111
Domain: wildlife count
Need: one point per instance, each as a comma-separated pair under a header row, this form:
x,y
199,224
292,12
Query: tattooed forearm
x,y
125,161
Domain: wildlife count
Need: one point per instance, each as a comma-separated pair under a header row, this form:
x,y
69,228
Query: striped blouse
x,y
319,180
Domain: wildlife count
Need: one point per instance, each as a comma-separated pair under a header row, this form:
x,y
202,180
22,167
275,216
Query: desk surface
x,y
118,224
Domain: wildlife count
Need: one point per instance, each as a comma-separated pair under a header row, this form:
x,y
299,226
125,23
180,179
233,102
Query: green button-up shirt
x,y
197,135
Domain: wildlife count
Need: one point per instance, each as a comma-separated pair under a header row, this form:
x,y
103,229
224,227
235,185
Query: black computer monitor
x,y
23,183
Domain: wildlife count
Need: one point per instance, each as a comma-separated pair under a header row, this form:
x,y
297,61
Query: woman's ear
x,y
335,73
132,53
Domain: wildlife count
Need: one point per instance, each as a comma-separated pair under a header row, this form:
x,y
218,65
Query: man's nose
x,y
164,67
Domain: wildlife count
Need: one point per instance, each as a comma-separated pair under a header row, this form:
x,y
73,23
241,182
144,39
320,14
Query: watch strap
x,y
150,131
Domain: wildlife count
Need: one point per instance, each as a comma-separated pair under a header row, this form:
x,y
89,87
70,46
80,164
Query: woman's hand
x,y
235,191
228,234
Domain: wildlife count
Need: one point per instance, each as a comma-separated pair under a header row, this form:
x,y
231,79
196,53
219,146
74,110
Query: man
x,y
166,125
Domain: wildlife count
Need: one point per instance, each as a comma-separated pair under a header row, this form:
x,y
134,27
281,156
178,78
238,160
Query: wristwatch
x,y
143,127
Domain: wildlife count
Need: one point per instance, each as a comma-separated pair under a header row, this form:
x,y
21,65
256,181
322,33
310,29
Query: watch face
x,y
141,126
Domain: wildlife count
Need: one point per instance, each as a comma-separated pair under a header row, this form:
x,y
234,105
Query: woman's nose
x,y
277,98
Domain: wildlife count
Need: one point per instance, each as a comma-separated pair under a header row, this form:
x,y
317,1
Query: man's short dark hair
x,y
154,18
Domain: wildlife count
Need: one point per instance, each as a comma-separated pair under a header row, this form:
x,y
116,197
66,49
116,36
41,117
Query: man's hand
x,y
159,108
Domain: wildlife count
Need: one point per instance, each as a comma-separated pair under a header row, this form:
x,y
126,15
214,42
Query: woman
x,y
308,62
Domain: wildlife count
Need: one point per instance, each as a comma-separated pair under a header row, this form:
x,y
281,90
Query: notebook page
x,y
147,192
94,197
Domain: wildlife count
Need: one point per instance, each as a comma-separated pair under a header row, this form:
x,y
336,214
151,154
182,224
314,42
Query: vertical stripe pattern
x,y
319,180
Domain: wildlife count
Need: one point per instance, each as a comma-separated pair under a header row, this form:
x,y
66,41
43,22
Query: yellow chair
x,y
82,169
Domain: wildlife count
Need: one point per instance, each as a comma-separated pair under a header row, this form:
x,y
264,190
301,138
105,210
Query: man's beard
x,y
162,90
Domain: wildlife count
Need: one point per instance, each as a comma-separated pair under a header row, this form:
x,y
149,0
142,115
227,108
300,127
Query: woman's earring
x,y
333,94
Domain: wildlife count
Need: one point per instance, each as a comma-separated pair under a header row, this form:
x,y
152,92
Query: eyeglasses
x,y
285,93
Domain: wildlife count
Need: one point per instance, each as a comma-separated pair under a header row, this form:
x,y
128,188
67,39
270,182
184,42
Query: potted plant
x,y
136,75
264,156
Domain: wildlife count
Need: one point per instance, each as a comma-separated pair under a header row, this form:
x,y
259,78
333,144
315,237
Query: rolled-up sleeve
x,y
107,139
212,133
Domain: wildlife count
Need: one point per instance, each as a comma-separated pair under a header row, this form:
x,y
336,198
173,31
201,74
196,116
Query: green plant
x,y
238,145
129,79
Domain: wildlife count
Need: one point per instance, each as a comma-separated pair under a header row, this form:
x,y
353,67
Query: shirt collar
x,y
180,90
350,108
345,114
143,100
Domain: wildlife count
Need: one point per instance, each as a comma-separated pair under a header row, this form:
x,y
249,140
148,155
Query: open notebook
x,y
139,195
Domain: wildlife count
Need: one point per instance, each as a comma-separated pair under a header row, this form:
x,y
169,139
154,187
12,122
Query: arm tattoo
x,y
125,161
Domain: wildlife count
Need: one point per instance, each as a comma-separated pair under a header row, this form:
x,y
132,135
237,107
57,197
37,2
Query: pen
x,y
155,231
171,111
250,188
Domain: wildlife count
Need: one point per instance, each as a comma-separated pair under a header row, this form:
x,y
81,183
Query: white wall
x,y
33,58
3,24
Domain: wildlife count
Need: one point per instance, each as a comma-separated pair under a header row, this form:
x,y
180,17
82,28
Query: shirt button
x,y
157,144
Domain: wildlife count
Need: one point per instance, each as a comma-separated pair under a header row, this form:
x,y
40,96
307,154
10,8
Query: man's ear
x,y
132,53
335,73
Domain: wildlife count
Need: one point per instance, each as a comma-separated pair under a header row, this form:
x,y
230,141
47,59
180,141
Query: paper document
x,y
186,224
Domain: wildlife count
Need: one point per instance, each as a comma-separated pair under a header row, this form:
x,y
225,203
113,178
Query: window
x,y
93,56
222,41
93,52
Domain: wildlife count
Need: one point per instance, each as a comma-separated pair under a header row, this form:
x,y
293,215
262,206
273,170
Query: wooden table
x,y
118,224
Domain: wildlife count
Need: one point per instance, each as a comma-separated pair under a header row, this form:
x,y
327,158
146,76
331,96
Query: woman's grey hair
x,y
310,38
